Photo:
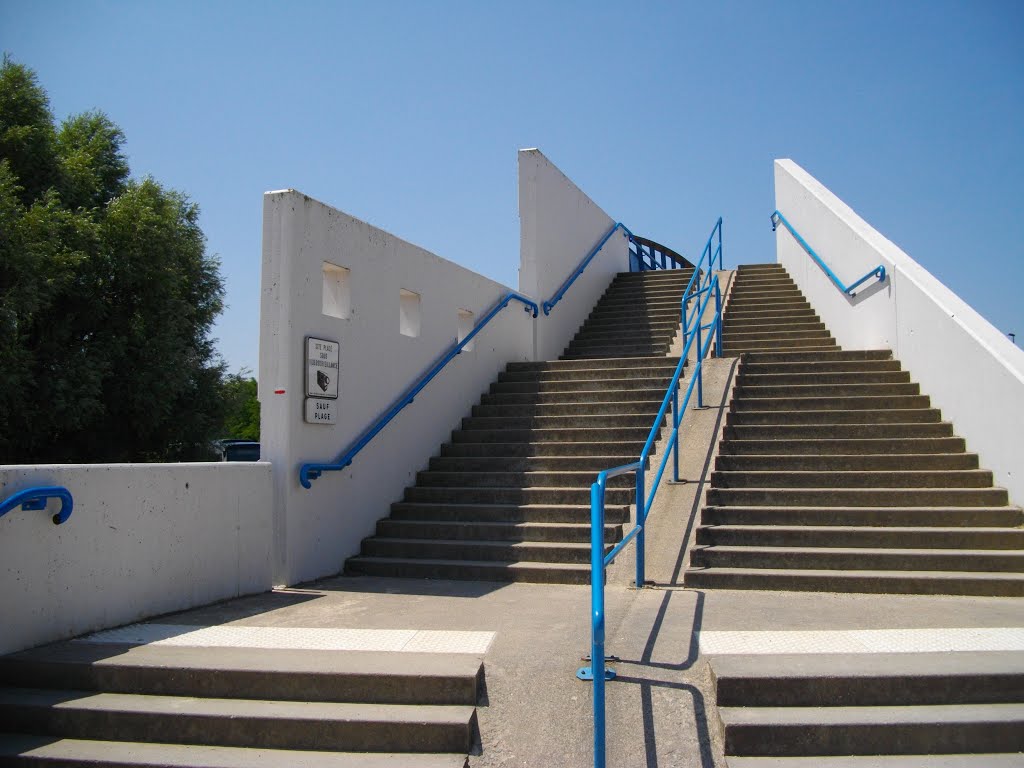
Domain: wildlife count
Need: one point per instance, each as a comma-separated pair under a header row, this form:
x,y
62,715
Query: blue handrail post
x,y
597,611
641,520
720,254
700,368
676,421
718,314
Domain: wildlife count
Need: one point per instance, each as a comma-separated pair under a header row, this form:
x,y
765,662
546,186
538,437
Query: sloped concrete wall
x,y
315,530
144,539
968,367
559,226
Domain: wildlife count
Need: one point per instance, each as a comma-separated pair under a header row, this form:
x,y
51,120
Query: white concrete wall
x,y
968,367
144,539
559,226
316,530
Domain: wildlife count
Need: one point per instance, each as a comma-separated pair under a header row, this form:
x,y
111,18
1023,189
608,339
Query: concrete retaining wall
x,y
316,530
559,226
968,367
143,539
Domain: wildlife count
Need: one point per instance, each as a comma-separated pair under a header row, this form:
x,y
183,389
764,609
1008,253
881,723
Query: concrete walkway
x,y
661,708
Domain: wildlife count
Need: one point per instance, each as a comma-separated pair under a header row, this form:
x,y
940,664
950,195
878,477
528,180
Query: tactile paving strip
x,y
931,640
299,638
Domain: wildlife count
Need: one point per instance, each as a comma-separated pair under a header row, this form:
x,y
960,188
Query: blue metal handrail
x,y
32,499
550,303
310,472
878,271
598,559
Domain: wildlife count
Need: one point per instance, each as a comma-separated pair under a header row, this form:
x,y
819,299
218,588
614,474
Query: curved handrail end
x,y
34,499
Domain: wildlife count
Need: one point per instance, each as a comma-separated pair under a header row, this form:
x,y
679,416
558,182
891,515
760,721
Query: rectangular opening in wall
x,y
337,296
409,321
466,328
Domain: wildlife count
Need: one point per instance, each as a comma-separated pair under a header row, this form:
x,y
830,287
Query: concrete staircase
x,y
76,704
835,474
948,710
508,499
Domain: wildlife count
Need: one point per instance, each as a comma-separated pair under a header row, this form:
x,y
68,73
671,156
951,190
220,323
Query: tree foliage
x,y
107,296
242,408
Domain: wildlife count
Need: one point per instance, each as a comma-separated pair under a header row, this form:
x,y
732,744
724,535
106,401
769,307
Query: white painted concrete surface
x,y
916,640
316,530
144,539
968,367
559,225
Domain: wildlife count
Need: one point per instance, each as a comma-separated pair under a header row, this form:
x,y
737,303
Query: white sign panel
x,y
322,368
321,411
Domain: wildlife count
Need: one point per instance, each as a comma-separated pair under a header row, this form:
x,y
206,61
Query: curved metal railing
x,y
32,499
878,271
311,471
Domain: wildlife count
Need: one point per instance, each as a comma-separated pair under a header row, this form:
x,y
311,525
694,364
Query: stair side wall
x,y
315,530
560,225
969,368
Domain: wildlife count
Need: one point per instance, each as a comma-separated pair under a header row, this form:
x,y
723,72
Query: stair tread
x,y
888,551
976,760
149,704
110,753
491,564
945,714
838,529
833,574
276,661
837,666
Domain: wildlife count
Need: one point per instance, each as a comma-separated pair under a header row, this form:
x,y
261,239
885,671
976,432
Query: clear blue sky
x,y
409,115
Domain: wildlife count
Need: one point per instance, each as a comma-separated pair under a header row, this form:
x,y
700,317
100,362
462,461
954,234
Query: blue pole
x,y
698,373
597,616
676,419
718,314
640,521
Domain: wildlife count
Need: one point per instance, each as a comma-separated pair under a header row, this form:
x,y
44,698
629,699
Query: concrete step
x,y
624,333
871,582
550,449
846,462
573,396
741,324
535,437
801,331
492,479
840,730
832,356
868,679
584,352
29,750
543,496
862,446
979,760
529,464
799,313
859,537
838,431
833,416
496,531
248,673
547,573
478,550
607,364
816,368
575,407
744,402
854,558
506,513
590,378
817,343
819,378
922,516
864,479
857,497
621,420
561,387
238,723
747,387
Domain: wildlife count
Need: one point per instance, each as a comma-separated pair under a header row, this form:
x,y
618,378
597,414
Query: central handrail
x,y
32,499
598,559
550,303
310,472
878,271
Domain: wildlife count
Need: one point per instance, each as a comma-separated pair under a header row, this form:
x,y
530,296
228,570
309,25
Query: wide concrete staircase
x,y
508,498
83,704
835,474
931,710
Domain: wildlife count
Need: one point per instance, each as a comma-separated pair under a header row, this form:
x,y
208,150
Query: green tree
x,y
107,296
242,408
